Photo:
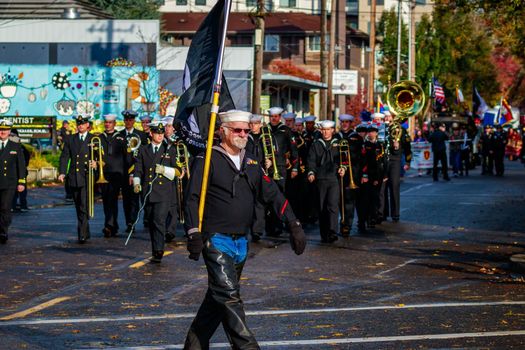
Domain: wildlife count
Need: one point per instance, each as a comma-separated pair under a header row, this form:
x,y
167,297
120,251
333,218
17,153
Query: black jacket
x,y
14,170
116,158
323,159
231,194
437,139
284,147
405,147
162,188
74,160
375,160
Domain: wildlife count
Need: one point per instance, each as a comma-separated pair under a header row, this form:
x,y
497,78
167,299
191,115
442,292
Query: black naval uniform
x,y
390,197
499,144
255,148
374,171
355,144
131,200
311,201
13,174
159,200
115,171
228,217
74,163
323,163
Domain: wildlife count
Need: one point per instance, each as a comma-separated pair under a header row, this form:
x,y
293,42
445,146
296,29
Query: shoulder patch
x,y
12,152
250,161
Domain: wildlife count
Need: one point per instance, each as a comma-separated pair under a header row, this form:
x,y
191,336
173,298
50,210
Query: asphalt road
x,y
439,279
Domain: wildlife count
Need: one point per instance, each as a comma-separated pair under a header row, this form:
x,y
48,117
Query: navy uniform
x,y
130,200
173,214
115,158
74,166
154,173
395,150
236,182
499,144
373,173
12,176
323,164
357,140
309,135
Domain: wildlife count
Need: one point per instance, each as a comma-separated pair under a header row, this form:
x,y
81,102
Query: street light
x,y
71,13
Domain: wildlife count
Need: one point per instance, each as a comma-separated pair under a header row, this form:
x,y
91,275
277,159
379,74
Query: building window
x,y
200,2
181,2
268,5
287,3
271,43
421,2
251,3
352,7
314,43
378,2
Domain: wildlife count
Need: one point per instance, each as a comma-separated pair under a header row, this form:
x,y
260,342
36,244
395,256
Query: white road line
x,y
416,188
397,267
344,340
255,313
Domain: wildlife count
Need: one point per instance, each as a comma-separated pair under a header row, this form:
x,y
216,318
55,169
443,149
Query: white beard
x,y
240,142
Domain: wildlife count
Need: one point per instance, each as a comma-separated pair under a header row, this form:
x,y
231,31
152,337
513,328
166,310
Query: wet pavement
x,y
441,278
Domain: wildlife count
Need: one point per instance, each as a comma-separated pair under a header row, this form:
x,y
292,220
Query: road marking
x,y
34,308
343,340
257,313
416,188
147,260
397,267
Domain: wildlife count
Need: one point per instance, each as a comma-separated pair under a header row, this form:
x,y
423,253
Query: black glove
x,y
195,245
297,237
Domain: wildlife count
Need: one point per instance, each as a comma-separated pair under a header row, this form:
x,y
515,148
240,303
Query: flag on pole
x,y
506,115
479,106
439,93
193,108
380,105
459,96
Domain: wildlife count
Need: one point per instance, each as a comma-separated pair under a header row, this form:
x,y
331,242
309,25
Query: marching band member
x,y
154,173
323,167
75,163
357,140
12,179
115,172
173,213
310,134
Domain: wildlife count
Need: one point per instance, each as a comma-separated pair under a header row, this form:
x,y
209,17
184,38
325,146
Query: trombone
x,y
182,161
95,146
345,161
269,150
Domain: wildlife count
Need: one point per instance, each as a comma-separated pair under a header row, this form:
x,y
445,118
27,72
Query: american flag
x,y
439,94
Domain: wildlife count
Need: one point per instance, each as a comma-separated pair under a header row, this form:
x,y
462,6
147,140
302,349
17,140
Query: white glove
x,y
167,171
159,169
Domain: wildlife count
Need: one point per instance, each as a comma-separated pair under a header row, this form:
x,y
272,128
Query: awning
x,y
270,77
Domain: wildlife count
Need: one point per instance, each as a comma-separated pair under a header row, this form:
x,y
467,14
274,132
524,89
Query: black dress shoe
x,y
169,237
3,239
157,256
256,237
82,240
396,220
107,232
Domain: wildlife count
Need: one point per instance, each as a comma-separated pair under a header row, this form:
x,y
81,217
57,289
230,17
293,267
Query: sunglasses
x,y
238,130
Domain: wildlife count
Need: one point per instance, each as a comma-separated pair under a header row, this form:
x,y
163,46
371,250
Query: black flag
x,y
194,106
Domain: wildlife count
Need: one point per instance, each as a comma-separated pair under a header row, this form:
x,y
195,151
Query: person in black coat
x,y
12,178
115,161
153,176
439,149
486,142
500,141
22,195
74,164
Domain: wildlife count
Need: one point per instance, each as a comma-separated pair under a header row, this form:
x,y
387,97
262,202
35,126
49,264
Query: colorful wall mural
x,y
65,91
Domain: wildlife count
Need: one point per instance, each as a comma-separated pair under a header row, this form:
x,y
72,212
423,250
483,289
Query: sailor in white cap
x,y
324,168
299,125
13,176
144,121
236,182
275,111
345,126
115,171
169,135
289,119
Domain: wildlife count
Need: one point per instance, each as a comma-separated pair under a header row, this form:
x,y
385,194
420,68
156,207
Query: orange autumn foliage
x,y
288,68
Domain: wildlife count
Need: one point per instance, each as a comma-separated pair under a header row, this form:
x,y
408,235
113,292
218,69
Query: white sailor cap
x,y
343,117
326,124
167,120
310,118
110,117
299,120
387,112
255,118
378,115
289,116
235,116
146,118
5,124
275,110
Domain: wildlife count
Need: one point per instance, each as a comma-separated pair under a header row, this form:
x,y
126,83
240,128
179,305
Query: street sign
x,y
345,82
265,103
30,127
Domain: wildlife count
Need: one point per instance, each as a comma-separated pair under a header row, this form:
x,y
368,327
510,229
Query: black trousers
x,y
274,225
110,192
6,199
130,202
361,205
156,214
328,207
222,304
173,212
440,156
349,205
81,205
499,158
23,198
372,200
487,163
392,188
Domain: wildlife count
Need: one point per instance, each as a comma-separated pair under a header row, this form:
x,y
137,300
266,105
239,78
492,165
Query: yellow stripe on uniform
x,y
35,308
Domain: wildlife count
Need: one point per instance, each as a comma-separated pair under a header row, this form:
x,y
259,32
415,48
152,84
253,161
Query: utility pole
x,y
398,62
324,73
331,53
372,59
258,57
412,42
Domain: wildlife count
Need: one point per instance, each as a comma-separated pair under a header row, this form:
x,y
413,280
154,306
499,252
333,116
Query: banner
x,y
421,155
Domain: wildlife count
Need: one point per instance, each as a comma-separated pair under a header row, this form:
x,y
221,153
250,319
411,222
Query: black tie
x,y
155,149
2,148
81,138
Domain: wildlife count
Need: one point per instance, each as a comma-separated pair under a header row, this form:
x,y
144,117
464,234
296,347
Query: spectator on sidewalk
x,y
439,150
22,206
455,150
466,148
419,138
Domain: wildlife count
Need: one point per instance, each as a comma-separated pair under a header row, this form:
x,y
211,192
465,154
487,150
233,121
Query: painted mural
x,y
65,91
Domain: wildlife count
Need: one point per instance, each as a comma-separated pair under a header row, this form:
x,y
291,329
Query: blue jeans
x,y
237,249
